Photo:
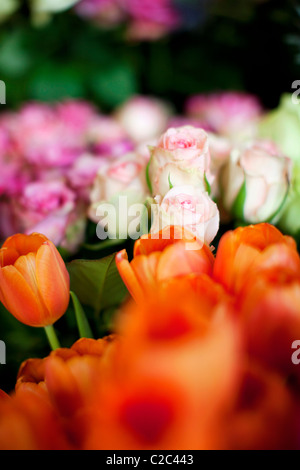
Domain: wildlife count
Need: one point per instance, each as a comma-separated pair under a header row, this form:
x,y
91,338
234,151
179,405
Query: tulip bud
x,y
34,281
161,257
256,182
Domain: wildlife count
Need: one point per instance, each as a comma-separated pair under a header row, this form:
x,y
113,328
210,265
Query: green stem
x,y
52,338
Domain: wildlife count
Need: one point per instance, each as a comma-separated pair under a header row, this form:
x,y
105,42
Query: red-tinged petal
x,y
8,256
19,299
128,275
53,281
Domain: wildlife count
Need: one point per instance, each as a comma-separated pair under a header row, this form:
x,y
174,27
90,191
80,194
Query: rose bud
x,y
120,183
34,281
180,158
256,182
188,207
231,114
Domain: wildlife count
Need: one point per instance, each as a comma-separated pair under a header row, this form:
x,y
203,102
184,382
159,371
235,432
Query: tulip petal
x,y
53,280
175,261
145,268
159,241
8,256
128,275
25,244
62,386
26,265
19,299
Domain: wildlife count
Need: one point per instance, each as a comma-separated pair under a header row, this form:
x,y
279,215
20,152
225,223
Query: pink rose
x,y
189,207
46,207
105,129
118,175
13,171
43,138
180,158
227,113
76,115
105,12
161,12
181,121
84,171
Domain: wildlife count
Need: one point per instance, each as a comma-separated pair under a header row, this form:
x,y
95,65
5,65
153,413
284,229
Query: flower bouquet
x,y
159,254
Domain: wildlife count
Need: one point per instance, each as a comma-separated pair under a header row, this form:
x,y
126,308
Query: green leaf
x,y
149,184
208,187
170,183
103,245
97,283
82,322
239,203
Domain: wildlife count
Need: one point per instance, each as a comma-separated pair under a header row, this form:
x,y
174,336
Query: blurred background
x,y
107,50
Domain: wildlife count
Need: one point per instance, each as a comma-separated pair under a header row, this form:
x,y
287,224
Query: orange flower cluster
x,y
201,360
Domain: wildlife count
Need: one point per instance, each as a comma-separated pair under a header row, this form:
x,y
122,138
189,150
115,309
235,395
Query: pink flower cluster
x,y
50,156
147,19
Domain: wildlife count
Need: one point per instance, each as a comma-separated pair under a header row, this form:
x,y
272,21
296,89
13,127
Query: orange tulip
x,y
66,379
161,259
270,321
176,374
247,251
34,281
264,415
29,422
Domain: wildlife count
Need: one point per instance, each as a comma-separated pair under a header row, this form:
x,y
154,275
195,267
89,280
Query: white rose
x,y
120,184
188,207
180,158
256,182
